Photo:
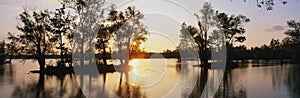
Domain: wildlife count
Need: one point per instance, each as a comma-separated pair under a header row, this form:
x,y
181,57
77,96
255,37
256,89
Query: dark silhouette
x,y
228,26
128,29
35,28
40,32
103,37
2,52
120,23
90,16
61,24
268,4
292,41
232,29
206,21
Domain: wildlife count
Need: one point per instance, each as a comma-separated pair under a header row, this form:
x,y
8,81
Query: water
x,y
252,79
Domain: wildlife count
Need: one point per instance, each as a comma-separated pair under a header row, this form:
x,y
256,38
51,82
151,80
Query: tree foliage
x,y
232,27
35,34
90,15
292,41
229,26
129,31
268,4
62,29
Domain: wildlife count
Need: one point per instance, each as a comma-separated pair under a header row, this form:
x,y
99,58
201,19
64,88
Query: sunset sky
x,y
164,17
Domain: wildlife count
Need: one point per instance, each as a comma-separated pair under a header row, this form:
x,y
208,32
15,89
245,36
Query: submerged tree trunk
x,y
203,56
40,58
42,62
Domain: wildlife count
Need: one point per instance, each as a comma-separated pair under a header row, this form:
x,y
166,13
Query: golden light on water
x,y
146,72
141,69
134,63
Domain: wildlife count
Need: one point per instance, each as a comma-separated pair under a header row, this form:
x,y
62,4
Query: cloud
x,y
276,28
2,4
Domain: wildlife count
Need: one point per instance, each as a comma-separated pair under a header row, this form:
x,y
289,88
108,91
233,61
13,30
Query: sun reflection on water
x,y
140,69
134,63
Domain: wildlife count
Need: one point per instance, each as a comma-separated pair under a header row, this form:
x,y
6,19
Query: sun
x,y
134,63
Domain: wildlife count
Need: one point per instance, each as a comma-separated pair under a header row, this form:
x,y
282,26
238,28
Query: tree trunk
x,y
104,52
81,57
203,56
42,62
40,58
127,51
61,52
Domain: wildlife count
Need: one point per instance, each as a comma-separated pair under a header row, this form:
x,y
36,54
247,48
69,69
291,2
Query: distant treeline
x,y
276,50
97,56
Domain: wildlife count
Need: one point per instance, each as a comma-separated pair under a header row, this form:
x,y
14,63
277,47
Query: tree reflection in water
x,y
226,89
126,90
292,81
8,71
276,80
49,86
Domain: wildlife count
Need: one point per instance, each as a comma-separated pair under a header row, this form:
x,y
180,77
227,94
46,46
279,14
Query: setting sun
x,y
134,63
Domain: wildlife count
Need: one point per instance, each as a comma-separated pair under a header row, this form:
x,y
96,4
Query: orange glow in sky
x,y
264,25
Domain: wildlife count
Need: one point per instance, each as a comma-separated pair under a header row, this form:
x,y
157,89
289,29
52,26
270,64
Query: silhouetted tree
x,y
205,22
268,4
2,52
128,30
239,53
103,37
200,35
35,34
229,26
232,28
293,39
62,28
14,47
90,15
190,41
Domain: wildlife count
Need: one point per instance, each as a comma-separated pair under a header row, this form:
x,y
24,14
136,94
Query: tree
x,y
35,34
61,25
120,22
232,27
103,37
294,33
14,47
200,35
292,41
135,47
267,4
90,15
2,52
128,29
190,41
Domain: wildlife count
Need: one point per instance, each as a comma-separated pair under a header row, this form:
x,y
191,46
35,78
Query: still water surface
x,y
253,79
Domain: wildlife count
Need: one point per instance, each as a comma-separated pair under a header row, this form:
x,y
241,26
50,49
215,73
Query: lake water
x,y
253,79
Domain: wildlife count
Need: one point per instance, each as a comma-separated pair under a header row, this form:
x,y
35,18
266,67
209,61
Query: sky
x,y
164,17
